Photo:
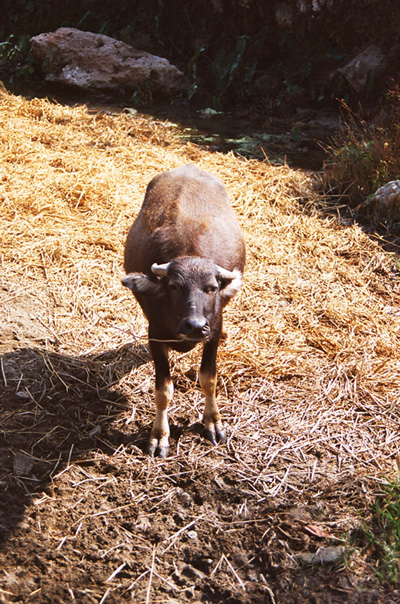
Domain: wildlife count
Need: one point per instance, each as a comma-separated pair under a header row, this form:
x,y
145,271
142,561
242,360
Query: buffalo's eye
x,y
173,287
210,289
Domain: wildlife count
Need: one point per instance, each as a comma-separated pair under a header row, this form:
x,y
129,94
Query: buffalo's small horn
x,y
160,270
223,273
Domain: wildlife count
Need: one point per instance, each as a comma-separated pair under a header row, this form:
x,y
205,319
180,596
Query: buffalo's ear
x,y
142,285
230,281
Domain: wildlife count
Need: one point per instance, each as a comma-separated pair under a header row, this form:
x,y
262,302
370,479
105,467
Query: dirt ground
x,y
308,381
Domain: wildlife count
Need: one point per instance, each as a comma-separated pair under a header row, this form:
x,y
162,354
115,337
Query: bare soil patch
x,y
308,383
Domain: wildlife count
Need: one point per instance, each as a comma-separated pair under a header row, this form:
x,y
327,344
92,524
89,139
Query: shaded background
x,y
269,56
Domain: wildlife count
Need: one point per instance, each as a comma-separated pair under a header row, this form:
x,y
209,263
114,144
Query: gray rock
x,y
367,65
94,62
386,202
324,555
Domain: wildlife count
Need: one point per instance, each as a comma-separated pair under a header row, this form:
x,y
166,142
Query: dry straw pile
x,y
309,376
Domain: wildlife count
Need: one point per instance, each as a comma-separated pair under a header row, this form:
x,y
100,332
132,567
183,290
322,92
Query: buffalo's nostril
x,y
206,329
194,327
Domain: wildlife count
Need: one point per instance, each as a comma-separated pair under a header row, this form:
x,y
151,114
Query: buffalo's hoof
x,y
154,450
216,437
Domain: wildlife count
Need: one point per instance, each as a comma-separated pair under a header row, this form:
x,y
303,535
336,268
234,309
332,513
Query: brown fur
x,y
186,212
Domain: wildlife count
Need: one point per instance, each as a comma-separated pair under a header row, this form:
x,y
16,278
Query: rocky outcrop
x,y
94,62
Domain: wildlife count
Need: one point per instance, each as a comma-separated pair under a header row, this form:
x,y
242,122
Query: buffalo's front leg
x,y
213,430
159,438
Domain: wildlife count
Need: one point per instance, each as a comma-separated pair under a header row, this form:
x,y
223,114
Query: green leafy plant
x,y
16,53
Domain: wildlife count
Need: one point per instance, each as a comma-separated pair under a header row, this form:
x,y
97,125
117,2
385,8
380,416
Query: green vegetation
x,y
363,157
15,52
380,536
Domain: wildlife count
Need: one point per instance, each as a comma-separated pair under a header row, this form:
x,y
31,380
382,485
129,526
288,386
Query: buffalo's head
x,y
189,293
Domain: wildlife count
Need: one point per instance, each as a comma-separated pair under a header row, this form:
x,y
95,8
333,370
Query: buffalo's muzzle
x,y
194,328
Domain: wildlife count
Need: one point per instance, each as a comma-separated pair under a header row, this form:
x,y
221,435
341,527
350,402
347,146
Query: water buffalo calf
x,y
184,258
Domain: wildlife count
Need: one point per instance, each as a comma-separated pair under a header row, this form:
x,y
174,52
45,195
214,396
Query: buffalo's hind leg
x,y
159,437
213,429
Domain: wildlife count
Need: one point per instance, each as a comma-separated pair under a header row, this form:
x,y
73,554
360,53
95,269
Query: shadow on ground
x,y
56,409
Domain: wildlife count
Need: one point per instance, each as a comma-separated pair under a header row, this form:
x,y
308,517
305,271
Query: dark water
x,y
294,141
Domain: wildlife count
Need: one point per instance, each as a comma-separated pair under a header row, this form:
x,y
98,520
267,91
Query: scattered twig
x,y
151,575
105,596
175,536
3,372
115,573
